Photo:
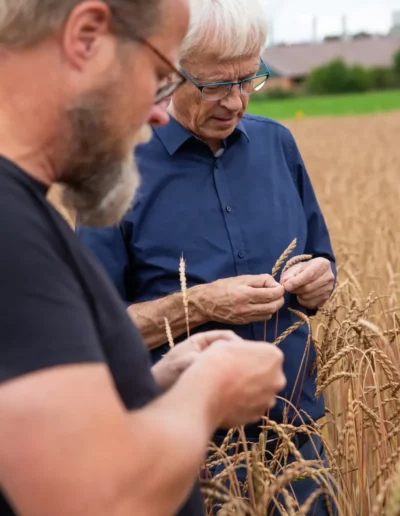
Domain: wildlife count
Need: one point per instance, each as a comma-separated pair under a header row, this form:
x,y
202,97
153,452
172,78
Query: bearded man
x,y
84,428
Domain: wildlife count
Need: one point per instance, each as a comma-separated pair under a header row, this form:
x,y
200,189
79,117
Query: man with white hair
x,y
84,428
230,192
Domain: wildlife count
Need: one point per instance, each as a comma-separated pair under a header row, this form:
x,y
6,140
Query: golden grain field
x,y
354,164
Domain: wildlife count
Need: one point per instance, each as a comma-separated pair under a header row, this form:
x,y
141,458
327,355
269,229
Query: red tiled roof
x,y
298,60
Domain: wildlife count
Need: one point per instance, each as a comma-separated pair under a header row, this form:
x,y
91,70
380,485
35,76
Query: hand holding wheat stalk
x,y
281,260
278,265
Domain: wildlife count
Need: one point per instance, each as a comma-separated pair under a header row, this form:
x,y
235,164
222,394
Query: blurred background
x,y
319,49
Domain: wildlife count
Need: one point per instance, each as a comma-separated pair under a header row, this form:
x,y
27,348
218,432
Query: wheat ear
x,y
169,333
281,260
284,256
185,297
295,260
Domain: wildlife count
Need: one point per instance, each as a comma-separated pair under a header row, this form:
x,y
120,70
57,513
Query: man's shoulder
x,y
265,125
22,207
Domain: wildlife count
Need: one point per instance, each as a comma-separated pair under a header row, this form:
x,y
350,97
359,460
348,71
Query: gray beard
x,y
104,198
100,175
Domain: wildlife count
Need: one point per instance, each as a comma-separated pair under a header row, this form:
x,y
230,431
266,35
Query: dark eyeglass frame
x,y
229,85
168,89
165,91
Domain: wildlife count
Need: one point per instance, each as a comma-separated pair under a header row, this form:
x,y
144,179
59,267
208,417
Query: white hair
x,y
230,28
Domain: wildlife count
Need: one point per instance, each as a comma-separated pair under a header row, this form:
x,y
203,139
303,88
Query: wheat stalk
x,y
288,332
169,333
295,260
184,291
284,256
393,506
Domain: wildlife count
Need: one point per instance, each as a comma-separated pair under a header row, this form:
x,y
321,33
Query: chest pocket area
x,y
276,218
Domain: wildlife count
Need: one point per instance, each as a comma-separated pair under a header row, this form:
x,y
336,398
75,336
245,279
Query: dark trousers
x,y
310,449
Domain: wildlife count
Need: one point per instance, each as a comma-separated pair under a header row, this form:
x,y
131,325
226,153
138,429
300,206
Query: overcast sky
x,y
292,19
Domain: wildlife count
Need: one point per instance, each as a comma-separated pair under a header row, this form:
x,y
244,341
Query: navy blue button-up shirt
x,y
229,215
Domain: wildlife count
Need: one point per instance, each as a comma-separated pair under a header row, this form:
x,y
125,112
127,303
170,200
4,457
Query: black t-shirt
x,y
58,307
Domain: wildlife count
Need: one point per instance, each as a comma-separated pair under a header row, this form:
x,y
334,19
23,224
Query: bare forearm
x,y
177,428
149,317
86,455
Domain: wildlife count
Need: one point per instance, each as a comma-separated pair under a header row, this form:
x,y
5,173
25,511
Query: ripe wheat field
x,y
354,164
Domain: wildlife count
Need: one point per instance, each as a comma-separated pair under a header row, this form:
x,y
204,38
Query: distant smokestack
x,y
344,28
315,29
271,33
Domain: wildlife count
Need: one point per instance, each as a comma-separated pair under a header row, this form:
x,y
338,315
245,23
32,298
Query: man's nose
x,y
158,114
233,101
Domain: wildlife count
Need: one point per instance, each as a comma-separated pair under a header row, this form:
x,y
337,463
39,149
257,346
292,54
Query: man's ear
x,y
87,26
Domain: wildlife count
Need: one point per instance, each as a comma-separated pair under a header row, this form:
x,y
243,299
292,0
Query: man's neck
x,y
34,160
27,116
215,145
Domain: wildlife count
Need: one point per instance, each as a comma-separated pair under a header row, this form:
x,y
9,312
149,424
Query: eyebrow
x,y
202,79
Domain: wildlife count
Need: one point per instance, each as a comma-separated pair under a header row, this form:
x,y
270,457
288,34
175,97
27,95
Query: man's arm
x,y
318,239
70,447
149,317
313,281
240,300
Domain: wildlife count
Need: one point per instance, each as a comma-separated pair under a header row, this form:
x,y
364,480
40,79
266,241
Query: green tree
x,y
382,78
331,78
358,80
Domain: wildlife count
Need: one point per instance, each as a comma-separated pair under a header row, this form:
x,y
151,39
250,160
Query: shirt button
x,y
228,209
217,165
241,254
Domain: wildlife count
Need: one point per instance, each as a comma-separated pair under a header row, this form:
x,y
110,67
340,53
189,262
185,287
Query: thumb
x,y
264,281
203,340
293,271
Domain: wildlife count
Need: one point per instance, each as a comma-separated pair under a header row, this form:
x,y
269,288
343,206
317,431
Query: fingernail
x,y
288,285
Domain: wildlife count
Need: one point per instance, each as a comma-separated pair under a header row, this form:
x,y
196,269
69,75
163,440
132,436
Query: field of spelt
x,y
354,164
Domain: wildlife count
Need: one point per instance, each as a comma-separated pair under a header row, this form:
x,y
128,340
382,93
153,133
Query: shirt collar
x,y
174,135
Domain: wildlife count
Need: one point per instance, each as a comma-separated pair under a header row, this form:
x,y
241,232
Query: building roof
x,y
298,60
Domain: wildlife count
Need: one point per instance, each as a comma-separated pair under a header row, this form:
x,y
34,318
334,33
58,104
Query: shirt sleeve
x,y
45,318
318,240
107,244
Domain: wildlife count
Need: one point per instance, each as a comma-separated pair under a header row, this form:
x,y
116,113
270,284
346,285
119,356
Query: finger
x,y
312,287
263,281
260,296
204,340
310,274
314,303
265,312
325,290
293,271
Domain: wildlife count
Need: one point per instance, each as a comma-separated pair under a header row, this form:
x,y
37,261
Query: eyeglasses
x,y
173,81
219,90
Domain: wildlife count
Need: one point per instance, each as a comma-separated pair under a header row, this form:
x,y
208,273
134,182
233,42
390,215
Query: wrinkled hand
x,y
247,377
242,300
312,282
167,371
